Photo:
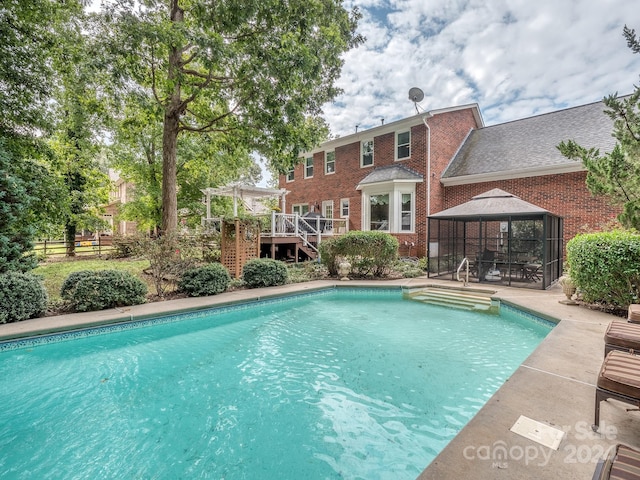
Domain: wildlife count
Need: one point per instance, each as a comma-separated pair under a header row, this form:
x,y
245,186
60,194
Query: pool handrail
x,y
462,263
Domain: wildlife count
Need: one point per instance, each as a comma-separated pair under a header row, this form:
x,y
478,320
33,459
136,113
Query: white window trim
x,y
342,201
306,166
290,172
412,212
373,153
326,163
395,191
397,145
299,207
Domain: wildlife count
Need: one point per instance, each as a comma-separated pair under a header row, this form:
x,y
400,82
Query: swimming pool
x,y
341,383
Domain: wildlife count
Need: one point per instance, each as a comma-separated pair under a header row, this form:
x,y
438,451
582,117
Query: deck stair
x,y
468,299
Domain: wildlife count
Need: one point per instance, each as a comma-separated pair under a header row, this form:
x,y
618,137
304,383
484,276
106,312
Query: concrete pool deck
x,y
555,385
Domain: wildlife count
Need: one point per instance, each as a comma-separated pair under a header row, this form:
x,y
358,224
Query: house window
x,y
367,153
389,207
330,163
308,167
300,209
406,213
403,145
344,207
290,175
379,212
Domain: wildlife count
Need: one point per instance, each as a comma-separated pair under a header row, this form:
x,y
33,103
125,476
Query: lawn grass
x,y
53,274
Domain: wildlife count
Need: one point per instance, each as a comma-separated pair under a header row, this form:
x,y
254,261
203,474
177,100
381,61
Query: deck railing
x,y
293,224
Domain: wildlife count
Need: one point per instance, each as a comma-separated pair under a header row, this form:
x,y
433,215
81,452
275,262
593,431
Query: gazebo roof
x,y
494,203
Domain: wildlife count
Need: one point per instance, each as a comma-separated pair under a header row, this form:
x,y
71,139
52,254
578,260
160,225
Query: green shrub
x,y
329,256
306,271
22,296
96,290
408,269
123,246
169,257
606,267
369,253
264,272
208,280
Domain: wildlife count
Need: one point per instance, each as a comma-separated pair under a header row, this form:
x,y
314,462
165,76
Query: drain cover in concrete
x,y
538,432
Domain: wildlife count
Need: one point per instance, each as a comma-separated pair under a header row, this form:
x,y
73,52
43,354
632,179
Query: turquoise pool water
x,y
337,384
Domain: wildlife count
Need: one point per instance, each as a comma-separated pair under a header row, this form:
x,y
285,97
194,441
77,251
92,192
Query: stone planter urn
x,y
569,289
344,269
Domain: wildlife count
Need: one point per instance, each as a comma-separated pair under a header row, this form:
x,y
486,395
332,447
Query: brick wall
x,y
448,130
564,195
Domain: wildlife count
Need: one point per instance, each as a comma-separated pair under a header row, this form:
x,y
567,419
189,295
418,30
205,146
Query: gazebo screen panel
x,y
513,245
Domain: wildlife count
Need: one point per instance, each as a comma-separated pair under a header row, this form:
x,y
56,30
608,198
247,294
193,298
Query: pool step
x,y
468,299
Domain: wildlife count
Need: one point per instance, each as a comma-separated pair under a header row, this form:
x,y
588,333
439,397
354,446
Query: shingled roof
x,y
494,203
527,147
391,173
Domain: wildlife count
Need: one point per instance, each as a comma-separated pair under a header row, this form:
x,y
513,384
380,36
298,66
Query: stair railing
x,y
465,261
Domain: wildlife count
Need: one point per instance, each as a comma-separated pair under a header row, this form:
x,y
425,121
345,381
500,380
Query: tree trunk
x,y
169,174
70,239
173,110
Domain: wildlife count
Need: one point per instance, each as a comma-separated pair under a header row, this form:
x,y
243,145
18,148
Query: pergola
x,y
505,240
240,241
248,194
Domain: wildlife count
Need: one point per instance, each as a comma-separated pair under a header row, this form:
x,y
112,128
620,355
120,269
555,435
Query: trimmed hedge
x,y
264,272
369,253
96,290
606,267
208,280
22,296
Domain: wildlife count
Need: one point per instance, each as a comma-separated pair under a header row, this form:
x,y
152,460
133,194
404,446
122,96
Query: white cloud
x,y
516,58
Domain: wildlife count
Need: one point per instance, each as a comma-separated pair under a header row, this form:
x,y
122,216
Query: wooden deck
x,y
293,237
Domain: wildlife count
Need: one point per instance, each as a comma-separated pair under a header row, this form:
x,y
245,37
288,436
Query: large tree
x,y
28,37
256,71
136,154
29,188
80,116
616,174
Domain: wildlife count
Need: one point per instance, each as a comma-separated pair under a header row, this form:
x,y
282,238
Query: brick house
x,y
121,192
379,178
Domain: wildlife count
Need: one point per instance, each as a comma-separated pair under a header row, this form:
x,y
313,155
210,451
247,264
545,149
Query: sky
x,y
514,58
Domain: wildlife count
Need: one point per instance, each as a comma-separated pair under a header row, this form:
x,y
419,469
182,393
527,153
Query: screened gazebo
x,y
504,240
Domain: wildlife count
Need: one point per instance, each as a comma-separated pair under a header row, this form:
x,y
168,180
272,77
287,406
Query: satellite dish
x,y
416,95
